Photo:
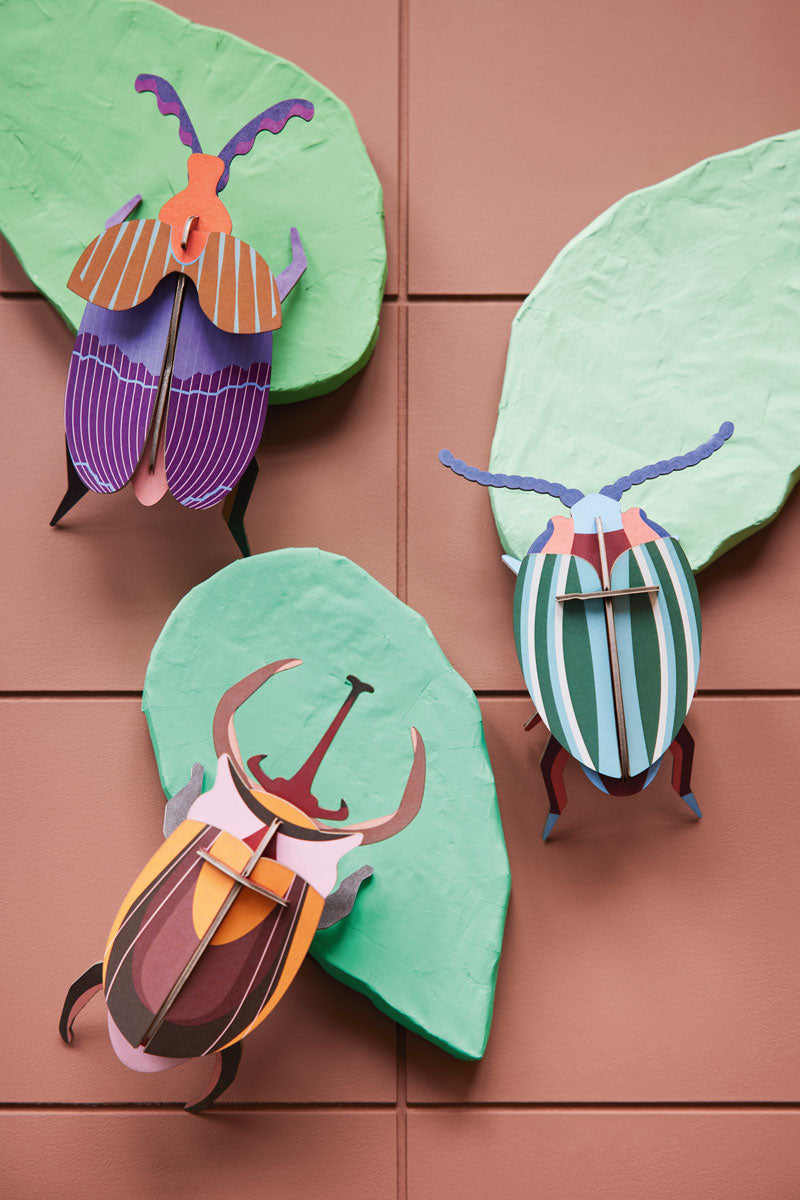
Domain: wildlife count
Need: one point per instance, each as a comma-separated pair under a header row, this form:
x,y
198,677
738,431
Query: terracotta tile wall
x,y
647,1030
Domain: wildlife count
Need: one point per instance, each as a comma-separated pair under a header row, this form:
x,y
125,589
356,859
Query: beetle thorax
x,y
589,508
198,199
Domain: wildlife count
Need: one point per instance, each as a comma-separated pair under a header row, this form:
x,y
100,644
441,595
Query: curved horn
x,y
272,120
668,465
386,827
223,729
170,105
520,483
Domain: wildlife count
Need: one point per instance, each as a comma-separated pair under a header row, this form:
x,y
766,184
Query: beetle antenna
x,y
667,465
170,105
519,483
272,120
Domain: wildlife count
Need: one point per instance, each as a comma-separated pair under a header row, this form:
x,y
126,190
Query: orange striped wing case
x,y
254,944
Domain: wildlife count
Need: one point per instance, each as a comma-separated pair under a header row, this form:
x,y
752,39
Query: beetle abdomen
x,y
240,974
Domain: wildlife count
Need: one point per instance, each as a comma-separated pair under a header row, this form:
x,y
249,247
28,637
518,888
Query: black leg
x,y
236,506
76,490
79,995
225,1068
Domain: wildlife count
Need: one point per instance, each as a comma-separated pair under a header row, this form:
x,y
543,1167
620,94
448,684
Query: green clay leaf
x,y
424,937
675,310
77,141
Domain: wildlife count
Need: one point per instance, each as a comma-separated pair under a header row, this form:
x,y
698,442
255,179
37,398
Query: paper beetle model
x,y
213,931
169,378
607,626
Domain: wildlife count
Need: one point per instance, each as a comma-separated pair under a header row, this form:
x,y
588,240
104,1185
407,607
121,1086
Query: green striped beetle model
x,y
607,626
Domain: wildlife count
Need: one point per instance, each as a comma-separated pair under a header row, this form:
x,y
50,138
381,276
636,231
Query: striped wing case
x,y
217,406
123,266
242,973
563,651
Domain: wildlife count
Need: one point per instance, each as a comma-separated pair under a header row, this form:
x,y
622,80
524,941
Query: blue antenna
x,y
667,465
519,483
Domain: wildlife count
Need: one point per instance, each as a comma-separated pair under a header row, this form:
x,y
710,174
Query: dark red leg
x,y
682,751
553,762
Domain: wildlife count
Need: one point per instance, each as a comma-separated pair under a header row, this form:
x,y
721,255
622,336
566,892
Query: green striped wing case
x,y
564,654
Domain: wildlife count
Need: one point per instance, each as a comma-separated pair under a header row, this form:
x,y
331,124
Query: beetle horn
x,y
386,827
667,465
520,483
170,105
225,741
272,120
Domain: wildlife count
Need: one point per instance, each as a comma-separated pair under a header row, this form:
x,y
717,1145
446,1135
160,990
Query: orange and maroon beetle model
x,y
169,378
213,931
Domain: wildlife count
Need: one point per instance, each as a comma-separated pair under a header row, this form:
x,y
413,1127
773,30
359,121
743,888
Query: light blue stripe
x,y
669,641
255,289
608,750
236,291
680,569
552,662
153,237
100,482
136,237
217,491
637,747
524,581
221,253
120,232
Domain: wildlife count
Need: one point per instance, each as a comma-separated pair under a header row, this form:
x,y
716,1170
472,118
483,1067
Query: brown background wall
x,y
647,1028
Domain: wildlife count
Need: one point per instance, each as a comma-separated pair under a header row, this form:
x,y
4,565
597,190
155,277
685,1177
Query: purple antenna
x,y
272,120
520,483
170,105
667,465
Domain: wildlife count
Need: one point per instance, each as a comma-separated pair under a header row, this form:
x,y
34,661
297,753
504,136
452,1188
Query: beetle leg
x,y
78,997
236,506
123,213
339,904
76,490
553,762
290,275
178,805
226,1064
682,751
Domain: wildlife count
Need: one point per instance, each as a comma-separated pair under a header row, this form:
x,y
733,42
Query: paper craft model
x,y
607,626
214,929
169,378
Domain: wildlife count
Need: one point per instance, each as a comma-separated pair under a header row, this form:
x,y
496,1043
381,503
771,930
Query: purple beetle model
x,y
169,378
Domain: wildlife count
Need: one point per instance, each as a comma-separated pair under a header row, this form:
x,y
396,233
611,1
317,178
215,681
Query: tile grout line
x,y
743,693
401,301
403,150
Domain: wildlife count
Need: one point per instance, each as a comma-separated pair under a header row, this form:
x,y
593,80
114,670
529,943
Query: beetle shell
x,y
255,952
218,397
563,646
